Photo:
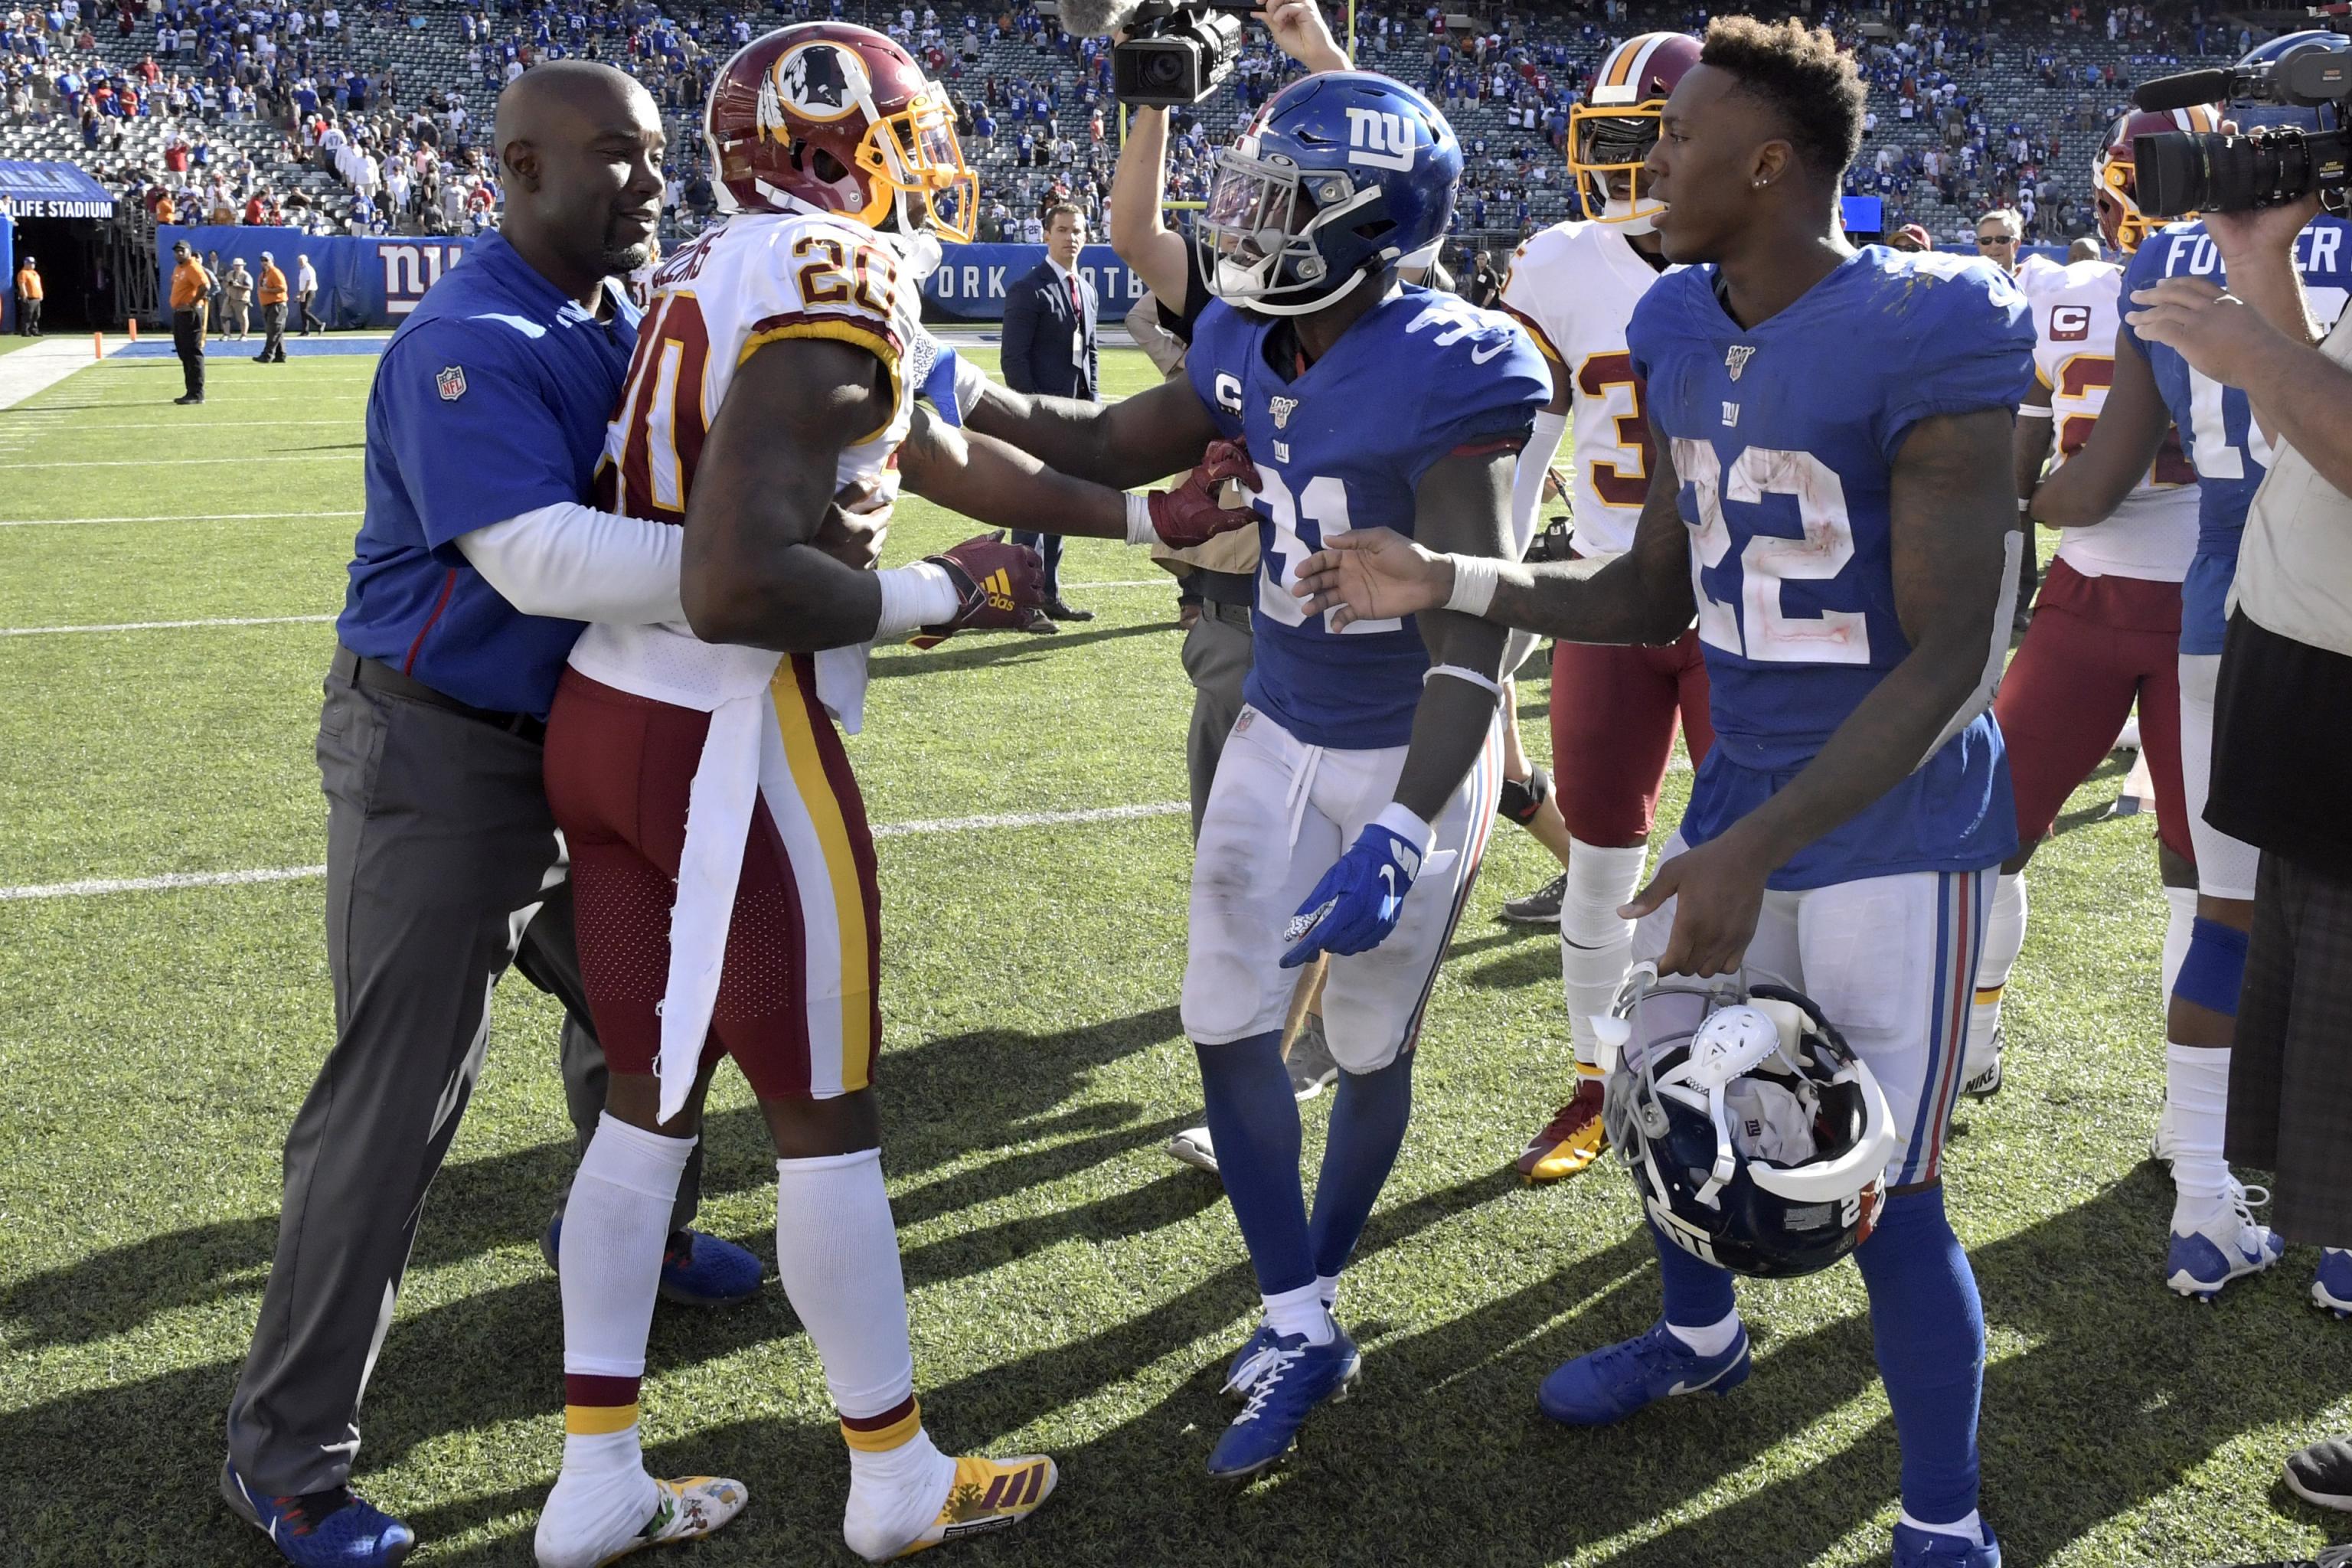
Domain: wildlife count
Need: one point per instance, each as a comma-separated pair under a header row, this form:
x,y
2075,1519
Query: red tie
x,y
1078,311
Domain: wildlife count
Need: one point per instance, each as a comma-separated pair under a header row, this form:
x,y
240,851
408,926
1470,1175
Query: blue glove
x,y
1360,899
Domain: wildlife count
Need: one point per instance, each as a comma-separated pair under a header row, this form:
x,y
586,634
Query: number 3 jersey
x,y
1785,438
1344,443
2152,532
755,279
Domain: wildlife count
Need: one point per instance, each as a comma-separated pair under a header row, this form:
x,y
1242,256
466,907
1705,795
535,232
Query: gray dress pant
x,y
1217,659
442,868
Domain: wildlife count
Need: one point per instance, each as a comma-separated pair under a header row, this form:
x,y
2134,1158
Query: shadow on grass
x,y
1002,647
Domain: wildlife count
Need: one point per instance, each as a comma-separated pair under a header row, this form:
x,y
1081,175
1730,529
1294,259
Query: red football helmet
x,y
2116,182
1612,131
827,117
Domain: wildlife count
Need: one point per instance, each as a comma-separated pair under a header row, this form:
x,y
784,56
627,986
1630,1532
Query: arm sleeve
x,y
1019,334
472,434
1971,347
1528,480
576,563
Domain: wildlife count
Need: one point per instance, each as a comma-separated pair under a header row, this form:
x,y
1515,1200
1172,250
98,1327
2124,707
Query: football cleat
x,y
985,1495
1612,1382
683,1509
1573,1139
320,1529
1987,1084
1293,1377
698,1269
2331,1287
1540,908
1311,1066
1941,1549
2322,1474
1192,1147
2228,1245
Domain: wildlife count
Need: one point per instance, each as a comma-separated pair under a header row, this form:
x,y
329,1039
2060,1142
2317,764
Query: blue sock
x,y
1369,1113
1927,1326
1253,1123
1698,1295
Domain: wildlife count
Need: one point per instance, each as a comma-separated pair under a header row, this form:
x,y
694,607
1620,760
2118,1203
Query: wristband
x,y
2025,506
1399,819
2036,411
922,595
1138,520
1460,673
1475,577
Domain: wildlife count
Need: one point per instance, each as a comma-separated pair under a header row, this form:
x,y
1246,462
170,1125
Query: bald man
x,y
476,564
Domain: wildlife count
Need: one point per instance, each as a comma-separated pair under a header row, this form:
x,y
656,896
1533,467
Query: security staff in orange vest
x,y
28,301
271,294
191,288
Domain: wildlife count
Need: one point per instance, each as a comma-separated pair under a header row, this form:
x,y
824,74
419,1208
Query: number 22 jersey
x,y
1785,437
1344,444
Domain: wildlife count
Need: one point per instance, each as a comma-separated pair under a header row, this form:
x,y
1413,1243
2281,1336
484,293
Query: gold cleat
x,y
988,1494
1572,1140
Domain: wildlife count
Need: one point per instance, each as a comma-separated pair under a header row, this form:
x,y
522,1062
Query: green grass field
x,y
1073,1290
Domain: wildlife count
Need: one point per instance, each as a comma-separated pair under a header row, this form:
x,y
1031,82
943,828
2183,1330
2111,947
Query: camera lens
x,y
1161,70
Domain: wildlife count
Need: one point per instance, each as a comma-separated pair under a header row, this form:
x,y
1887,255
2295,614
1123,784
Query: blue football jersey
x,y
1784,437
1343,443
2217,424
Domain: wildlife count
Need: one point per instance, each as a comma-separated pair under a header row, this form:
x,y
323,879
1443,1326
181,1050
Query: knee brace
x,y
1523,798
2214,969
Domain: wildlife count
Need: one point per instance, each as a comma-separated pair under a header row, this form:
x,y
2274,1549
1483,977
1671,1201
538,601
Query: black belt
x,y
1224,587
374,675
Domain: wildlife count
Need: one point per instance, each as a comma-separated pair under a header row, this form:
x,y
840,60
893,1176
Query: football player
x,y
2214,1237
2106,628
723,868
1614,708
1831,499
1355,794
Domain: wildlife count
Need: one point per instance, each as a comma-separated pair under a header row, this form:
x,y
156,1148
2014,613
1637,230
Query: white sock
x,y
2197,1102
1713,1340
1596,944
2179,920
2004,940
837,1250
1327,1287
1970,1527
1300,1312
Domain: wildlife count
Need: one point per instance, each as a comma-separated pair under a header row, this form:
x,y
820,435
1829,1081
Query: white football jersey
x,y
2153,534
752,280
1574,286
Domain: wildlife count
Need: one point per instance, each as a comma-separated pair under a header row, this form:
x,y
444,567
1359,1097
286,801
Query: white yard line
x,y
166,625
98,886
29,372
193,517
179,462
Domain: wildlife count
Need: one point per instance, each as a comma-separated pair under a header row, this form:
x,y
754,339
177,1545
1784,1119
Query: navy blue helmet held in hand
x,y
1342,175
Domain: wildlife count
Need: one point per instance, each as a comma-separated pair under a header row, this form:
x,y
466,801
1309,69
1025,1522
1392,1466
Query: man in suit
x,y
1049,347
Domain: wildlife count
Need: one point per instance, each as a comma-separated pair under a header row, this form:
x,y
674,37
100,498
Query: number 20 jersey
x,y
1344,444
1785,437
754,278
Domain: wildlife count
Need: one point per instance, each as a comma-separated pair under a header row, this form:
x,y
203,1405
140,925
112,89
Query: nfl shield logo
x,y
1283,407
1736,357
452,384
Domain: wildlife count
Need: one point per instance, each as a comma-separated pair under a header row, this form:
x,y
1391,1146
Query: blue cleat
x,y
1251,1361
698,1269
1612,1382
2331,1287
320,1529
1296,1376
2226,1245
1940,1548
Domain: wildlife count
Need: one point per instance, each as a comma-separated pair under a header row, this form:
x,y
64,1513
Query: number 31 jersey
x,y
754,280
1785,438
1344,443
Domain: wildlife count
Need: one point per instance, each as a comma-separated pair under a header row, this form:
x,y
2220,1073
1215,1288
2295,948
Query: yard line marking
x,y
189,462
58,425
166,625
99,886
193,517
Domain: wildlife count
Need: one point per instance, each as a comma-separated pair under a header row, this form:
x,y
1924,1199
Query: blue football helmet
x,y
1757,1137
2247,114
1341,175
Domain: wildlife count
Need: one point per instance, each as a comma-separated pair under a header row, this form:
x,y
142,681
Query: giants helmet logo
x,y
2070,323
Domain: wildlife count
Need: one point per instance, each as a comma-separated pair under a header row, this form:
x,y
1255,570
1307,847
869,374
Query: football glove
x,y
1359,899
997,588
1188,514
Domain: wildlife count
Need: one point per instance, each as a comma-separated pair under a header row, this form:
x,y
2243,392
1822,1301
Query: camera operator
x,y
2282,737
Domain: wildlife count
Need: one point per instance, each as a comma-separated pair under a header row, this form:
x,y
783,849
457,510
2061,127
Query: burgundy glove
x,y
998,587
1188,514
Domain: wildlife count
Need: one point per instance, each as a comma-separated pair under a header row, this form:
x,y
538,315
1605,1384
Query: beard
x,y
621,259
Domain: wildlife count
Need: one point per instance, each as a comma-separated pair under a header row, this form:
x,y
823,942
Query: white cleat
x,y
2225,1244
586,1526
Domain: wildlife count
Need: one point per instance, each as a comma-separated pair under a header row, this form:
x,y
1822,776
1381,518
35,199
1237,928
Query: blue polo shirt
x,y
490,401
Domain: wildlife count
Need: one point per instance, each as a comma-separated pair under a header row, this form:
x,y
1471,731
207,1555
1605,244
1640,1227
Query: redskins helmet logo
x,y
822,80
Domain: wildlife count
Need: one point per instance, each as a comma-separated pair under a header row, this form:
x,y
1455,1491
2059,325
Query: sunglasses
x,y
1990,239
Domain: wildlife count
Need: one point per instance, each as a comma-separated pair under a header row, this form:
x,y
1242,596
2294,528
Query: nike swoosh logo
x,y
1478,358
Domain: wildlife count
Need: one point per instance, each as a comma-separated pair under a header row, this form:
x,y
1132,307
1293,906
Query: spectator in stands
x,y
236,297
29,300
272,295
305,289
191,288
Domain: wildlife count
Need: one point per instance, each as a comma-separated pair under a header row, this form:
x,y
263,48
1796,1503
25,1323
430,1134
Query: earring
x,y
1761,184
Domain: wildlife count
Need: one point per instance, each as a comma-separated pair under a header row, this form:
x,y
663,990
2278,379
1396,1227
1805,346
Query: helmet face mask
x,y
1261,225
1611,137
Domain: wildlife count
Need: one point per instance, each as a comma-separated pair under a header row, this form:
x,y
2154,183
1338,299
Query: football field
x,y
167,578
